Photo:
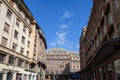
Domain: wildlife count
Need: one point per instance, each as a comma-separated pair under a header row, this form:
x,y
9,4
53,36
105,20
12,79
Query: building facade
x,y
22,43
60,63
74,62
100,42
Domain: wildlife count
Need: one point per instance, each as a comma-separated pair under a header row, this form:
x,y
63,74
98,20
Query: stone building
x,y
60,63
22,43
100,42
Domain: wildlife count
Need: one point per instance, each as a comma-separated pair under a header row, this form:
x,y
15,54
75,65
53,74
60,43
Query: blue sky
x,y
61,20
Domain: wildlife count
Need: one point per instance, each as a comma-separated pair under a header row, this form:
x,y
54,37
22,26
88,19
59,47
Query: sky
x,y
61,20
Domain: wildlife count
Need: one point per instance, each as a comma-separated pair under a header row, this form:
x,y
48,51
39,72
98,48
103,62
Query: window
x,y
104,28
20,63
11,1
11,60
61,66
2,57
34,55
24,29
22,50
119,26
106,1
14,47
17,22
6,27
27,53
4,41
116,5
23,39
29,33
0,5
98,39
35,40
35,48
28,44
112,35
109,17
26,64
16,34
9,14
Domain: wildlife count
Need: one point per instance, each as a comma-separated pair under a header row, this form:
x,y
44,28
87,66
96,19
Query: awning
x,y
106,50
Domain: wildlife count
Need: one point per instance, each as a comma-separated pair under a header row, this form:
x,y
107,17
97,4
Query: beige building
x,y
100,42
60,63
74,62
22,43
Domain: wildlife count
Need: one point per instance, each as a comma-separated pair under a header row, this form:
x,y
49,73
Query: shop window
x,y
9,75
104,70
110,72
19,76
1,76
117,69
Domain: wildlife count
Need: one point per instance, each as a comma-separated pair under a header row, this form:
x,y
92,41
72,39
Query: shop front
x,y
105,65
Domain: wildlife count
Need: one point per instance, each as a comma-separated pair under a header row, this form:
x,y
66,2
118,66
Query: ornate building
x,y
100,42
60,63
22,43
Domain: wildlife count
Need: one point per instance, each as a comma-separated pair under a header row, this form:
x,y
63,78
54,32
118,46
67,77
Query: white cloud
x,y
67,14
63,26
61,38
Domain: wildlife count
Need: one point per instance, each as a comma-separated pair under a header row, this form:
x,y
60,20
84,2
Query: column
x,y
27,77
23,76
7,58
4,76
14,76
35,77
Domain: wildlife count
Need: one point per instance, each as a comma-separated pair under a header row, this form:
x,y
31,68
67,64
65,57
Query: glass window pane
x,y
117,69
